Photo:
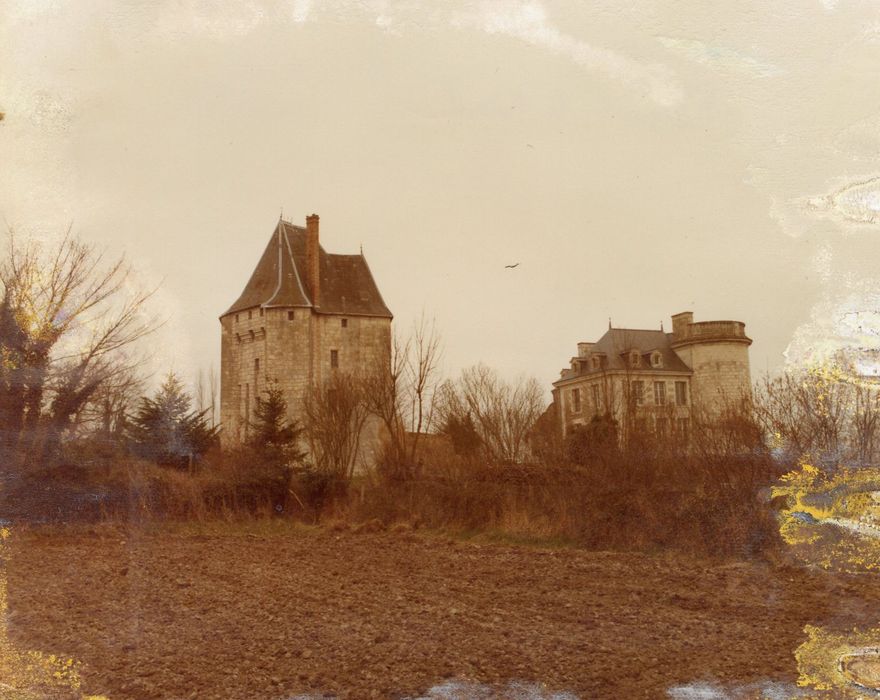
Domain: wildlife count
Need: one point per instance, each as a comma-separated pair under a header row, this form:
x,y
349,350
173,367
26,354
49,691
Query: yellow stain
x,y
30,675
819,659
846,509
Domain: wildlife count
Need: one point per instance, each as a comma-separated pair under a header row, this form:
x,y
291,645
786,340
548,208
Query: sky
x,y
636,160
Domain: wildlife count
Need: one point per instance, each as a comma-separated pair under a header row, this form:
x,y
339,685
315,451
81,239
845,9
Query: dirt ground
x,y
272,613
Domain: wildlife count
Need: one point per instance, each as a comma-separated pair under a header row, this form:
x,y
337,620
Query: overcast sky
x,y
637,159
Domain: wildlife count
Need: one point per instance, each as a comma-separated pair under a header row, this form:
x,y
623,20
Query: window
x,y
576,400
345,323
236,318
681,395
656,359
257,365
334,358
660,393
261,311
634,358
683,427
595,362
251,334
250,313
290,315
595,389
237,338
662,425
638,392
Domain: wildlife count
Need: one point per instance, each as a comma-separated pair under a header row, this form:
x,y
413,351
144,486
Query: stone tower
x,y
303,314
718,354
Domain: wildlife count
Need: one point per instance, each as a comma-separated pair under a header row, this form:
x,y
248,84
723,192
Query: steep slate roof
x,y
616,344
279,279
621,340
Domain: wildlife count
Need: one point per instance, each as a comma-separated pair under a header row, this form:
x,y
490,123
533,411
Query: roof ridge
x,y
295,270
376,286
280,277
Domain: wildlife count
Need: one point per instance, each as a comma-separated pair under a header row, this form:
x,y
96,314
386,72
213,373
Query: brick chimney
x,y
313,262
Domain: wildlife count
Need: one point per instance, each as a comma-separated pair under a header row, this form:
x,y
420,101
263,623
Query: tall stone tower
x,y
303,314
718,354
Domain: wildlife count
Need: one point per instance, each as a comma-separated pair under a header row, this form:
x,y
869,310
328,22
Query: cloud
x,y
527,21
857,202
720,57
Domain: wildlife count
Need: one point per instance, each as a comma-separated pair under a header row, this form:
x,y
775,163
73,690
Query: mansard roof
x,y
279,279
618,341
617,344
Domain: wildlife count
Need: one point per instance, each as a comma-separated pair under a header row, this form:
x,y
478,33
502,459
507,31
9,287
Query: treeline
x,y
82,438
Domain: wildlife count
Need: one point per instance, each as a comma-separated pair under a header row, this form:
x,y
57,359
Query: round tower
x,y
718,354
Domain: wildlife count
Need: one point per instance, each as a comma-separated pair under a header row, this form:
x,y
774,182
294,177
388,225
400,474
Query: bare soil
x,y
272,613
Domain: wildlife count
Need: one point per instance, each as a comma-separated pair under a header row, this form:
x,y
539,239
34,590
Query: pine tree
x,y
271,435
273,442
165,429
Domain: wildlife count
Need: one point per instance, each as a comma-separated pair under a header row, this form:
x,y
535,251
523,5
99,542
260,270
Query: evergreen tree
x,y
165,430
271,435
463,434
273,441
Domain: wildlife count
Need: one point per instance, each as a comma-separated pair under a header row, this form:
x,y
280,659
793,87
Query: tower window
x,y
345,323
290,315
256,364
334,358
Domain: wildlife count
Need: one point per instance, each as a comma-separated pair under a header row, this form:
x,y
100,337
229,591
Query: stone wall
x,y
721,372
614,397
293,346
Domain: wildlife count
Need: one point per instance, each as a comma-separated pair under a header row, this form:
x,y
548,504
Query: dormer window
x,y
634,358
595,362
656,359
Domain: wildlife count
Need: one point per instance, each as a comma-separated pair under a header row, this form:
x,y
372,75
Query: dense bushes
x,y
705,507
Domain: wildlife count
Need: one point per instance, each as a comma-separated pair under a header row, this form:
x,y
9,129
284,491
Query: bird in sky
x,y
511,266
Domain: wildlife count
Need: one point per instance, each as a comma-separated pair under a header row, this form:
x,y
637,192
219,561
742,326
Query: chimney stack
x,y
313,262
680,324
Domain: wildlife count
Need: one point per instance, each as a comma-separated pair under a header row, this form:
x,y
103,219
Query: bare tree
x,y
828,412
400,389
503,413
66,318
334,414
865,420
105,414
206,393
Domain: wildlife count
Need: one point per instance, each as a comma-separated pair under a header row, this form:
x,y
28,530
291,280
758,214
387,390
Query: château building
x,y
651,380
